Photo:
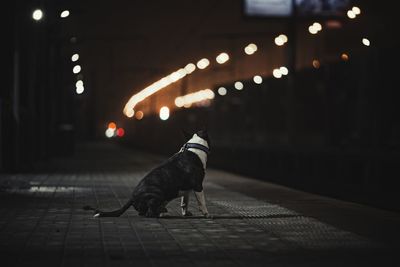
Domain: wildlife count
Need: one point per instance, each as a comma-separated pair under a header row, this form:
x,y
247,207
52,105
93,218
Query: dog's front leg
x,y
185,203
201,201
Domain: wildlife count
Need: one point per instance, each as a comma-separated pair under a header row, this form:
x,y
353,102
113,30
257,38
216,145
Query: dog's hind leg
x,y
163,209
154,208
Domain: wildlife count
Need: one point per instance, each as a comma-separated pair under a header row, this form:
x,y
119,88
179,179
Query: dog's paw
x,y
187,214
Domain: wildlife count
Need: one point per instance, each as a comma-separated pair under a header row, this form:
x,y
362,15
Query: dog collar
x,y
197,146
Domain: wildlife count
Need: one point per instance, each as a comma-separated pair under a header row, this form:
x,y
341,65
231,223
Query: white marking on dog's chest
x,y
200,153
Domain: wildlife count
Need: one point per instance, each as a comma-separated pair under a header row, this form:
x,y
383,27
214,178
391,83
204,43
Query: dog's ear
x,y
186,134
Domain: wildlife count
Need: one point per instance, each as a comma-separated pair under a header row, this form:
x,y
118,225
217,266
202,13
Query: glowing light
x,y
238,85
79,83
284,70
37,14
203,63
189,68
160,84
76,69
139,115
344,57
129,113
312,30
110,132
317,26
179,102
74,57
222,91
177,75
277,73
258,79
209,94
112,125
351,14
79,89
366,42
64,14
283,37
199,96
250,49
281,40
120,132
356,10
164,113
316,64
222,58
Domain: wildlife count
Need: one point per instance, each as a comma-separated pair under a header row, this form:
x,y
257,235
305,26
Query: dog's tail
x,y
114,213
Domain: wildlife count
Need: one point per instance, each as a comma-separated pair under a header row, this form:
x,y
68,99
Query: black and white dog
x,y
176,177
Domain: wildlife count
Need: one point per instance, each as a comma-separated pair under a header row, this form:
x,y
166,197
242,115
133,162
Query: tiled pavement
x,y
42,222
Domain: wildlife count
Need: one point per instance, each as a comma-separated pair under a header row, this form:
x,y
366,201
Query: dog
x,y
176,177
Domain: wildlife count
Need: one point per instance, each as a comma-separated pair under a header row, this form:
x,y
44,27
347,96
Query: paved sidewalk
x,y
256,223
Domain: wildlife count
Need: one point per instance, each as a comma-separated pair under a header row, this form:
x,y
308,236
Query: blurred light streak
x,y
160,84
189,99
189,68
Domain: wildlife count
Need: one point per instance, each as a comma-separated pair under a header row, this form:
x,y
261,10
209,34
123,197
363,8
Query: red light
x,y
120,132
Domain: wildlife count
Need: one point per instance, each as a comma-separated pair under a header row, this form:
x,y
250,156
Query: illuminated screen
x,y
268,8
283,8
322,7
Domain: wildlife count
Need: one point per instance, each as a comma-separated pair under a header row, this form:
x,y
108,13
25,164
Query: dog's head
x,y
200,136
